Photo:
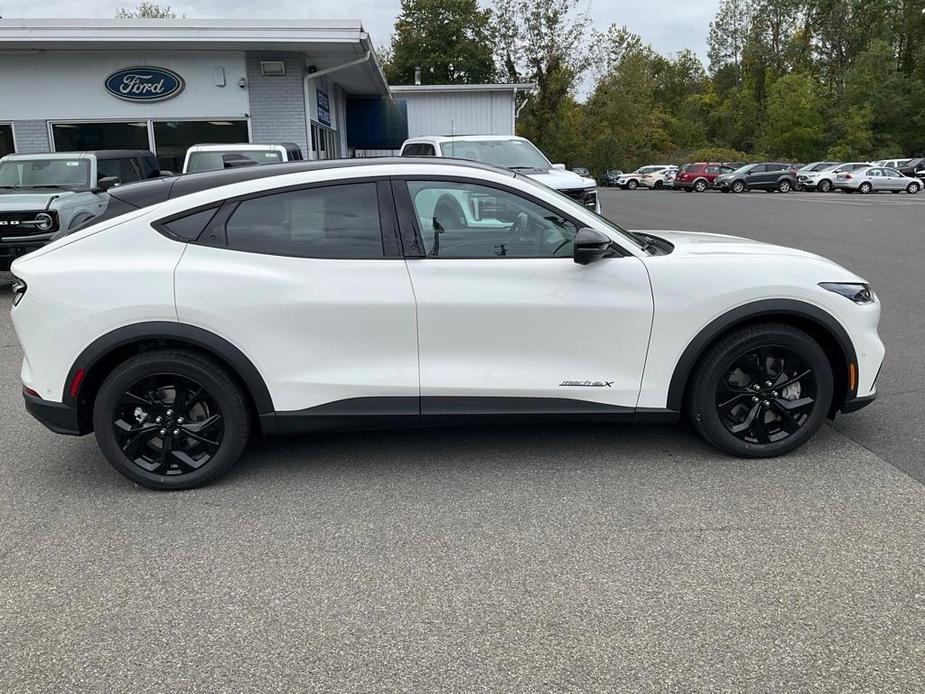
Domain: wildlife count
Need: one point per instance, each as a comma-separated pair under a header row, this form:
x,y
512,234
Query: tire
x,y
633,184
824,186
738,187
721,397
700,186
659,185
142,391
784,186
912,188
865,188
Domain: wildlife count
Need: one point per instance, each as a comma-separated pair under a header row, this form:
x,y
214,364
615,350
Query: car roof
x,y
99,154
245,146
154,191
451,138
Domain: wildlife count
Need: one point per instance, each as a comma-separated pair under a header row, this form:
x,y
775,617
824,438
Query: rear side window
x,y
189,228
340,221
126,170
419,149
690,168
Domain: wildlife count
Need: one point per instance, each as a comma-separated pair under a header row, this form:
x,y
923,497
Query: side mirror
x,y
592,245
107,182
561,167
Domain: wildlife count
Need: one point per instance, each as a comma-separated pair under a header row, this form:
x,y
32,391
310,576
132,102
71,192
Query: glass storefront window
x,y
173,138
6,139
324,142
80,137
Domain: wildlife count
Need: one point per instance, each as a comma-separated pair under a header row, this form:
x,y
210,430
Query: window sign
x,y
324,107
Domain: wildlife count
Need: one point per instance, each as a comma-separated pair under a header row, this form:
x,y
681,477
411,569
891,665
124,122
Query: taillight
x,y
19,290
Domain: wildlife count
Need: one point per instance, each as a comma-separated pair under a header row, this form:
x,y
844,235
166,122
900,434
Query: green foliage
x,y
793,124
146,10
447,39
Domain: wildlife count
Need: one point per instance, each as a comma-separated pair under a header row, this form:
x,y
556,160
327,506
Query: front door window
x,y
464,220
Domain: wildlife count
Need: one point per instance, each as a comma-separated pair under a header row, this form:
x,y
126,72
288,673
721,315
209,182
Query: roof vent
x,y
272,68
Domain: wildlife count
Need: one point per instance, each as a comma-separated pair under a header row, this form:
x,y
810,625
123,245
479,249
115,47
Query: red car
x,y
698,177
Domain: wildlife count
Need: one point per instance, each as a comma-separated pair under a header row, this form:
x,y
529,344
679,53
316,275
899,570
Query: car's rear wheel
x,y
824,186
761,391
865,188
738,187
784,186
700,186
632,185
659,185
171,419
912,188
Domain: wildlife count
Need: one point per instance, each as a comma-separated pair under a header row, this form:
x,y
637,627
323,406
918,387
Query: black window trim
x,y
215,234
410,232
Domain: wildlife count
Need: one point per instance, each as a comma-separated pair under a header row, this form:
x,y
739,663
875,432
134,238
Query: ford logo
x,y
144,84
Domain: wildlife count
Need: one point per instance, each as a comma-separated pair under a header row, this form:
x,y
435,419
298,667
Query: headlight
x,y
857,292
44,221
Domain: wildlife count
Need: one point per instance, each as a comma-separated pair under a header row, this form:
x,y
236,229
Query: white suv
x,y
514,153
395,292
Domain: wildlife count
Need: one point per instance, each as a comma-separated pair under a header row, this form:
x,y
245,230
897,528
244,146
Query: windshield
x,y
511,154
216,161
45,173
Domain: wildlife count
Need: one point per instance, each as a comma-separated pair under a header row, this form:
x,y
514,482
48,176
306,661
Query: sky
x,y
669,25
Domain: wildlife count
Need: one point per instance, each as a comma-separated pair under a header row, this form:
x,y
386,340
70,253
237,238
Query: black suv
x,y
764,176
914,167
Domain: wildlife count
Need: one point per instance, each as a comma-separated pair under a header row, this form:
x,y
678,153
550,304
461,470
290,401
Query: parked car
x,y
657,180
913,167
891,163
610,177
231,315
824,179
514,153
876,179
768,176
201,158
698,176
631,181
42,194
582,171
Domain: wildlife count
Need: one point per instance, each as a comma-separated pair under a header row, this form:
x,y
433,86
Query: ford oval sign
x,y
144,84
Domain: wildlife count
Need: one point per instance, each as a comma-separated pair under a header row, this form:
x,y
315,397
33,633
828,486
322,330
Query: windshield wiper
x,y
521,168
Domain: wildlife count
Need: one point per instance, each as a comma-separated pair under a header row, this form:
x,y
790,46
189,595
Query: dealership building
x,y
167,84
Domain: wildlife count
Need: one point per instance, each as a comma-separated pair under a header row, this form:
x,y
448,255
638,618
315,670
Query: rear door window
x,y
338,221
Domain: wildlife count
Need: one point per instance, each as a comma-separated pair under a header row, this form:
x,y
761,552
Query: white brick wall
x,y
277,104
30,136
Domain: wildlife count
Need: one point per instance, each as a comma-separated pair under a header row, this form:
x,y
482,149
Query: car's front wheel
x,y
171,419
632,184
912,188
738,187
761,391
824,186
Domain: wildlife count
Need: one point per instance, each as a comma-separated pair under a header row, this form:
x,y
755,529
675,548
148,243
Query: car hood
x,y
14,200
559,179
694,243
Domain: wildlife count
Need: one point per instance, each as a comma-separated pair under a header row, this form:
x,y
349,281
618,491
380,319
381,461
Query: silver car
x,y
875,179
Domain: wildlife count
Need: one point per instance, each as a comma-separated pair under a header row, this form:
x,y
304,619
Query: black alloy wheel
x,y
761,391
168,424
766,395
171,419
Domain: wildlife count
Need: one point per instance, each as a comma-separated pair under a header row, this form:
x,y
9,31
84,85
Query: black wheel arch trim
x,y
180,332
748,312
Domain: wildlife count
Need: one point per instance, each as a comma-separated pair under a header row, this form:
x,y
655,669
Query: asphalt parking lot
x,y
524,559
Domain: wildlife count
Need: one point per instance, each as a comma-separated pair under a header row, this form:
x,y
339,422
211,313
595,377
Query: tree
x,y
146,10
544,42
447,39
729,32
794,124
